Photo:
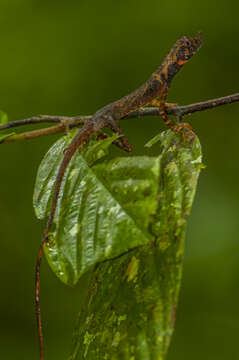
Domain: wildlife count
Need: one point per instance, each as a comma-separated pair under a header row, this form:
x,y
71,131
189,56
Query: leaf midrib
x,y
110,193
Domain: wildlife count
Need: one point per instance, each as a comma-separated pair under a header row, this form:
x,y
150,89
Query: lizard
x,y
157,86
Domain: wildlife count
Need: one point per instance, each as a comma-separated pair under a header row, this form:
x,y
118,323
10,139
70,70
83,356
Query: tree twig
x,y
186,109
74,121
34,134
41,119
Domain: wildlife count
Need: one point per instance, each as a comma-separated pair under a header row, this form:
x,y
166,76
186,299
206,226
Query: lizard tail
x,y
79,141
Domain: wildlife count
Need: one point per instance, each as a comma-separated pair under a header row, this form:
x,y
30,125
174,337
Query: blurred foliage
x,y
73,57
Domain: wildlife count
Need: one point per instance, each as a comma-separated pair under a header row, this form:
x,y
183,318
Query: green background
x,y
72,57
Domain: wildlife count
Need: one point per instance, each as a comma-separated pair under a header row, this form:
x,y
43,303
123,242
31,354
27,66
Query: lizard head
x,y
186,47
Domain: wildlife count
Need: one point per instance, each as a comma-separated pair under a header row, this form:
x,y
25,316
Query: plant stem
x,y
69,122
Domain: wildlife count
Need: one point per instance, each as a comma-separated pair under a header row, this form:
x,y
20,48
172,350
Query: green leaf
x,y
130,308
153,141
131,212
3,117
91,223
5,136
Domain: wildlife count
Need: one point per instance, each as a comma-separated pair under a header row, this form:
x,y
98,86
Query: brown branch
x,y
41,119
186,109
69,122
35,134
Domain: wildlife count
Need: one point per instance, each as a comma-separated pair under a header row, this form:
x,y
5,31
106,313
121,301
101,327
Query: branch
x,y
34,134
41,119
186,109
69,122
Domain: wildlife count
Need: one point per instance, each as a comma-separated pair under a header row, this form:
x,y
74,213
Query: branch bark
x,y
69,122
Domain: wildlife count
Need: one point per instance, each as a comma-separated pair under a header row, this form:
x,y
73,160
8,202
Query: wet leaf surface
x,y
91,223
124,220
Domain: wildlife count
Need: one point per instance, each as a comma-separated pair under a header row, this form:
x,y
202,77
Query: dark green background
x,y
72,57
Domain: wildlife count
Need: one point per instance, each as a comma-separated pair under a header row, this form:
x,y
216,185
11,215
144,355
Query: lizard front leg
x,y
162,111
183,128
157,102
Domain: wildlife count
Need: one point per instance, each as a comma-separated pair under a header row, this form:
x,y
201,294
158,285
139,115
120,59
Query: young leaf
x,y
5,136
3,117
130,308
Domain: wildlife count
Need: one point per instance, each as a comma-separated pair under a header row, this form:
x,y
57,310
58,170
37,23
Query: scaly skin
x,y
156,86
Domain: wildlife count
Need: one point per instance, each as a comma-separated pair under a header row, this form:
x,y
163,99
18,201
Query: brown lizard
x,y
156,86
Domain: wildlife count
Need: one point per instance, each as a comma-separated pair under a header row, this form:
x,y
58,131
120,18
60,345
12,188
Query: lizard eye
x,y
187,43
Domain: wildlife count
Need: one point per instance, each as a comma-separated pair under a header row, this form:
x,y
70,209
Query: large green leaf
x,y
130,308
131,212
92,222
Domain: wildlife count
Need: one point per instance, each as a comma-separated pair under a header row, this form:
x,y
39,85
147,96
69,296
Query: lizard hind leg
x,y
116,142
114,126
